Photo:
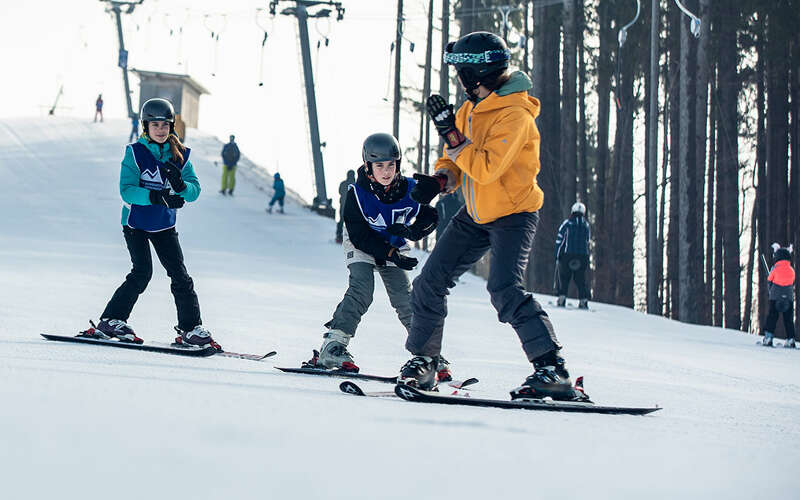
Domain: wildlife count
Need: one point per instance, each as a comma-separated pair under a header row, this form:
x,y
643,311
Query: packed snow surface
x,y
89,422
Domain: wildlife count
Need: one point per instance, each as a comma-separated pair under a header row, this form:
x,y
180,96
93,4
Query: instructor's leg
x,y
169,252
512,239
463,243
356,300
123,300
395,280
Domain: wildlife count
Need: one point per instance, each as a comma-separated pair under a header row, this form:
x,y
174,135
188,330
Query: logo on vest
x,y
151,179
378,221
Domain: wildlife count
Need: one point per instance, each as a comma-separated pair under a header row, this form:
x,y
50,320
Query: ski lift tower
x,y
322,204
122,61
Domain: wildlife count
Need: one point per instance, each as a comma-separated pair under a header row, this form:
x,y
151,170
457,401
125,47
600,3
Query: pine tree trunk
x,y
711,201
728,160
673,260
687,274
762,191
703,306
569,136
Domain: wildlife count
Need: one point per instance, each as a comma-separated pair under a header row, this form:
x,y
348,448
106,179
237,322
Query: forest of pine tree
x,y
725,183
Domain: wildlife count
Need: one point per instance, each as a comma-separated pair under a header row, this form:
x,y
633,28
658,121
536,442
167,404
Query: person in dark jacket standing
x,y
344,187
279,193
781,296
156,180
572,255
230,157
379,216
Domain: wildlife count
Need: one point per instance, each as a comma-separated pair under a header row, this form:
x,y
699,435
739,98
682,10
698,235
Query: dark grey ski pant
x,y
358,296
463,243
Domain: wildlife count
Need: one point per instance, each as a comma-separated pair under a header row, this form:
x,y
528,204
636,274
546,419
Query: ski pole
x,y
764,261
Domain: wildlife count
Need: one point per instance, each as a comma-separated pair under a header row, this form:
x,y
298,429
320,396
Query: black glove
x,y
401,261
173,174
444,119
400,230
168,200
427,187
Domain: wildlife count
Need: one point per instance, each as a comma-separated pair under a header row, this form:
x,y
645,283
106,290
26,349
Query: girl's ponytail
x,y
176,148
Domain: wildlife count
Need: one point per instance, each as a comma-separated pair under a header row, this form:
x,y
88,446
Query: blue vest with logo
x,y
379,215
151,218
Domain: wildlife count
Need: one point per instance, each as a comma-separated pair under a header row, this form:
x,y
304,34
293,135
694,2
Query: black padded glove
x,y
173,174
401,261
427,187
400,230
444,119
163,197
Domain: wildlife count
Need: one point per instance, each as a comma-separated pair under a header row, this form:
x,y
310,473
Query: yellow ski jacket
x,y
498,170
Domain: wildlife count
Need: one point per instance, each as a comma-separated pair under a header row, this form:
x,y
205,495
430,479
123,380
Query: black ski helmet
x,y
478,56
381,147
780,253
157,110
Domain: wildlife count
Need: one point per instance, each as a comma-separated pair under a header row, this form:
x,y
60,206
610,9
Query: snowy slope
x,y
87,422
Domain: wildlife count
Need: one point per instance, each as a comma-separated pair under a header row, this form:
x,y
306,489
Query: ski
x,y
411,394
349,387
164,349
332,372
240,355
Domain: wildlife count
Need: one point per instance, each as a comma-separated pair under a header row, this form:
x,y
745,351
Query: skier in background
x,y
156,180
230,157
378,215
447,206
134,128
781,295
572,255
279,193
344,187
496,165
98,108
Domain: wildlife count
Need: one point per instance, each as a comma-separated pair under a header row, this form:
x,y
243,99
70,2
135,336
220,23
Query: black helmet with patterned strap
x,y
477,57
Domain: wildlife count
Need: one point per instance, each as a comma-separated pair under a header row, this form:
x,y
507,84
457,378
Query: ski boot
x,y
196,337
110,328
443,373
230,192
222,192
550,379
420,372
789,344
767,339
562,301
269,210
583,304
334,353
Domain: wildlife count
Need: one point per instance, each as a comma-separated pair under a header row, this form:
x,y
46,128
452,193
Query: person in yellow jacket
x,y
492,153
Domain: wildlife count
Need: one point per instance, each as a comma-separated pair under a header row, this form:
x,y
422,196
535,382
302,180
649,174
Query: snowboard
x,y
411,394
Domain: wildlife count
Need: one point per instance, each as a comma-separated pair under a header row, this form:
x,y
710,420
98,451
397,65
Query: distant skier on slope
x,y
572,255
781,295
278,193
496,164
379,216
230,157
156,179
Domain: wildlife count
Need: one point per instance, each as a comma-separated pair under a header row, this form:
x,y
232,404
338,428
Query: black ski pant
x,y
772,319
169,252
573,267
463,243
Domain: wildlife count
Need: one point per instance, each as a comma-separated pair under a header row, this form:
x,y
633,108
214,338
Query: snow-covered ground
x,y
89,423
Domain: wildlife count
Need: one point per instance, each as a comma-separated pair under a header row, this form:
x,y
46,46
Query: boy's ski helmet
x,y
579,208
477,56
381,147
157,110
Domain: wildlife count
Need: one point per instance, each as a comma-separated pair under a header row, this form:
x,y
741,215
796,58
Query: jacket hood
x,y
513,93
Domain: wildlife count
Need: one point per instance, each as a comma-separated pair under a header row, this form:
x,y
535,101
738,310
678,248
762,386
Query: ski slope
x,y
89,422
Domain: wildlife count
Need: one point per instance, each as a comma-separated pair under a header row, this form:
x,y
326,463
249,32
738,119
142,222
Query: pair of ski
x,y
409,393
413,394
175,349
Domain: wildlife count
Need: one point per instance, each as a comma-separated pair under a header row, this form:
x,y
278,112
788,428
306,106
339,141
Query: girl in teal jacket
x,y
156,180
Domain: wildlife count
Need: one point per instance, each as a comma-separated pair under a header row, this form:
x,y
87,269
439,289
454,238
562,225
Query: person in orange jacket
x,y
492,153
781,296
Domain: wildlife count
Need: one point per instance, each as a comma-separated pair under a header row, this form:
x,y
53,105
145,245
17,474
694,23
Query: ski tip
x,y
465,383
350,388
406,392
269,354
